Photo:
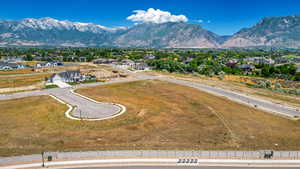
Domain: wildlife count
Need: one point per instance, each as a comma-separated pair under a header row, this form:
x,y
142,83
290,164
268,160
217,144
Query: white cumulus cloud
x,y
155,16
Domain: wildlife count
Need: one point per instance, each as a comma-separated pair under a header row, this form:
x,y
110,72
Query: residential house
x,y
11,66
259,60
104,61
188,60
268,61
67,76
232,63
49,64
140,66
82,59
246,67
280,60
149,56
38,58
5,66
127,62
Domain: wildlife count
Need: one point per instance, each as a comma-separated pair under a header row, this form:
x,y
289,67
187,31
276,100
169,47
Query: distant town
x,y
283,64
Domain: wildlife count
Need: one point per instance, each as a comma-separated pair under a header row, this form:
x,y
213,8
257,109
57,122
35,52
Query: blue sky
x,y
220,16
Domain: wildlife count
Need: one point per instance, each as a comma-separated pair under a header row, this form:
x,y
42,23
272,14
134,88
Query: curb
x,y
67,113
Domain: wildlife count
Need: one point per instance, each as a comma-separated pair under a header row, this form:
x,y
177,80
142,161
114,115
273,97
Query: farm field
x,y
160,115
236,83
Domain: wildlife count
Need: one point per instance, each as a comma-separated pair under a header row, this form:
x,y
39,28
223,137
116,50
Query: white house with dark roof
x,y
67,76
11,66
49,64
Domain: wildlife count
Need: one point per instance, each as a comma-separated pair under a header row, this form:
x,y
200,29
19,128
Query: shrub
x,y
277,85
221,75
268,84
262,84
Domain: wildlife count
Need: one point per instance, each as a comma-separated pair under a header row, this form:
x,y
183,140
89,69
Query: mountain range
x,y
283,32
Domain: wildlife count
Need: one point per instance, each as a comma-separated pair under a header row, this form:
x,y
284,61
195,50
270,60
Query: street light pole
x,y
43,160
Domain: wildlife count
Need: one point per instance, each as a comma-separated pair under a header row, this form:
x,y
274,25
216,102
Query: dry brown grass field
x,y
236,83
174,116
28,124
16,72
30,63
160,115
67,66
21,81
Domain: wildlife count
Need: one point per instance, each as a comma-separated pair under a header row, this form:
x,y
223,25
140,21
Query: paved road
x,y
90,109
182,167
254,102
284,110
83,108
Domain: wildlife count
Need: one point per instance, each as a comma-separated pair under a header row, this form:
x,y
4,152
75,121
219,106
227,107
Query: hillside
x,y
283,32
270,31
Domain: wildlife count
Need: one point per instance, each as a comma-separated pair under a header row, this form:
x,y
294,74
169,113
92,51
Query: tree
x,y
28,57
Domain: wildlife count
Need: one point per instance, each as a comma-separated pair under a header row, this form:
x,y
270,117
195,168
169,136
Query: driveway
x,y
61,84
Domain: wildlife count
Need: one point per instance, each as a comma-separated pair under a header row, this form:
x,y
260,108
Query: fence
x,y
154,154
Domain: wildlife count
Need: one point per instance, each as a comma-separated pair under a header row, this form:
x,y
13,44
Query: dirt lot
x,y
160,115
104,74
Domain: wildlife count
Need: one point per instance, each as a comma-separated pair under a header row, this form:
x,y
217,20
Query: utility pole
x,y
43,160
